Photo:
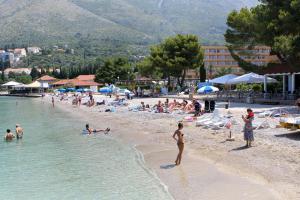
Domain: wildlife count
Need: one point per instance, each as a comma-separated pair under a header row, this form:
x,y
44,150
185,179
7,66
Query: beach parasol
x,y
11,84
71,89
208,89
105,90
251,78
87,90
62,90
223,79
80,90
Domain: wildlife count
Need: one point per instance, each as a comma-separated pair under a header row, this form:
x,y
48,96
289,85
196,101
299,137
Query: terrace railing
x,y
246,96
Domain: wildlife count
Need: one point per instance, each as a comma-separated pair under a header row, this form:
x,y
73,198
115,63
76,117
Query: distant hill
x,y
134,22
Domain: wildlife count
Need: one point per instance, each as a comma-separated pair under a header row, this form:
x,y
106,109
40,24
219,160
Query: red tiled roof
x,y
62,82
46,78
84,83
86,77
76,82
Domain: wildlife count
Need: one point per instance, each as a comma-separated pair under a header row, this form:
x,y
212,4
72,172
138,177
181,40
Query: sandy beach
x,y
212,168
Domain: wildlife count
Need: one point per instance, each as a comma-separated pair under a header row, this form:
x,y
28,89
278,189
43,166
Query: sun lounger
x,y
287,122
211,122
204,116
206,121
265,114
220,124
200,122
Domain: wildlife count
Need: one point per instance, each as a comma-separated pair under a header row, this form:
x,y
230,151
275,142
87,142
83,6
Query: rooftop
x,y
47,78
86,77
76,82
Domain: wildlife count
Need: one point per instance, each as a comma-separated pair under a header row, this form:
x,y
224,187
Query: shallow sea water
x,y
55,161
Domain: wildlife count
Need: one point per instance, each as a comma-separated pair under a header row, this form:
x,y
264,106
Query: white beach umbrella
x,y
11,84
223,79
251,78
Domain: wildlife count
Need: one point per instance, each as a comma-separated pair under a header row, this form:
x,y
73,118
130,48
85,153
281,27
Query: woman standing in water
x,y
248,129
178,136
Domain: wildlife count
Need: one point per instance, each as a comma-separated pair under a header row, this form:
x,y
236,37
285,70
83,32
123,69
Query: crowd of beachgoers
x,y
175,106
218,117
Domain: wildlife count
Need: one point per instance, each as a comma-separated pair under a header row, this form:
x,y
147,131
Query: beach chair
x,y
287,122
211,122
220,124
203,118
265,114
214,115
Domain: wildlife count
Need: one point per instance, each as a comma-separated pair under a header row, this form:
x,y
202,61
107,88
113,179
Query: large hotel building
x,y
217,57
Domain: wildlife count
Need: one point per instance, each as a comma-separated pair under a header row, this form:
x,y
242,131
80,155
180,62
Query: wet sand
x,y
212,168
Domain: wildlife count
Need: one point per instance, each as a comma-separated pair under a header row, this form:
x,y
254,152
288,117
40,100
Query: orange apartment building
x,y
217,57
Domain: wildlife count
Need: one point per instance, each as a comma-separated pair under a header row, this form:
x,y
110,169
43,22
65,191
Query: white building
x,y
26,71
20,52
34,50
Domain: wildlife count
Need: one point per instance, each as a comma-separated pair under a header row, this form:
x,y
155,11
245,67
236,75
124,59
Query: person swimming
x,y
90,130
19,131
9,136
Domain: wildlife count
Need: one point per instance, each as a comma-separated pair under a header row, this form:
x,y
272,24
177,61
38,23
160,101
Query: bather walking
x,y
178,136
19,131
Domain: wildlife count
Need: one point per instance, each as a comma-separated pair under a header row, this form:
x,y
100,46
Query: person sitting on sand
x,y
19,131
167,103
117,98
90,130
197,108
180,142
248,128
159,107
189,108
100,103
9,136
172,105
183,105
142,107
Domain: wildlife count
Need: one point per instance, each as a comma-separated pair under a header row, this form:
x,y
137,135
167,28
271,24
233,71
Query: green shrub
x,y
257,87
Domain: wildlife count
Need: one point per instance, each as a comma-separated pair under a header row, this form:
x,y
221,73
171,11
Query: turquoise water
x,y
54,161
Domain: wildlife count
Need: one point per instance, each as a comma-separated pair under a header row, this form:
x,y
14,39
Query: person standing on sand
x,y
53,102
180,142
79,100
248,128
19,131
